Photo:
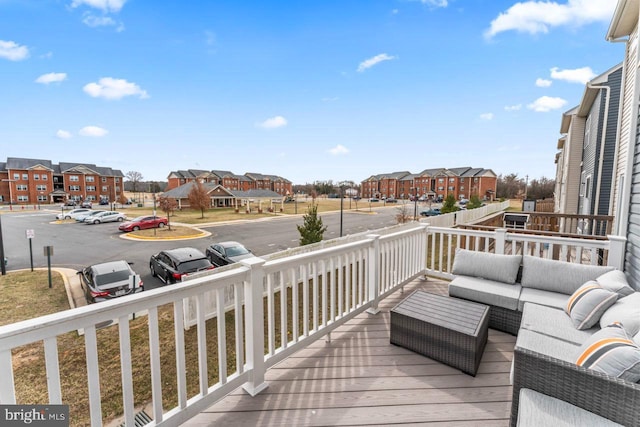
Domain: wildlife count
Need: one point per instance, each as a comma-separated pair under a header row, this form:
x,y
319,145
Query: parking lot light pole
x,y
3,268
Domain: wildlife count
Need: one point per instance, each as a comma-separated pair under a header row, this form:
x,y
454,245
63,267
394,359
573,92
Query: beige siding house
x,y
572,128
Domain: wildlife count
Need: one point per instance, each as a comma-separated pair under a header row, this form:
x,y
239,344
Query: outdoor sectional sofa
x,y
562,313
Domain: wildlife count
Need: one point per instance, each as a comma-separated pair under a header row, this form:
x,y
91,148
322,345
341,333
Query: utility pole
x,y
3,268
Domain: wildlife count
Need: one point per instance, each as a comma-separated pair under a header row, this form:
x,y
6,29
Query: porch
x,y
358,378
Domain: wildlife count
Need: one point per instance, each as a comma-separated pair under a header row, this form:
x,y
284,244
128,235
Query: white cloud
x,y
104,5
63,134
273,123
486,116
111,88
47,55
368,63
339,150
543,82
539,16
546,103
579,75
51,78
93,131
395,11
516,107
98,21
435,3
13,51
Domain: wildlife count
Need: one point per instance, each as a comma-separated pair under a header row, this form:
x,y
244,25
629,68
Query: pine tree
x,y
312,229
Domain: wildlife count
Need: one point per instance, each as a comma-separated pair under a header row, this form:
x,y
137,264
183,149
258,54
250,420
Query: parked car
x,y
374,199
71,203
82,216
73,213
172,265
86,204
224,253
104,201
463,202
391,200
106,216
431,212
108,280
143,222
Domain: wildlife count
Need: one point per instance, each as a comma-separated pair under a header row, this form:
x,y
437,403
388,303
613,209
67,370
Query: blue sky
x,y
308,90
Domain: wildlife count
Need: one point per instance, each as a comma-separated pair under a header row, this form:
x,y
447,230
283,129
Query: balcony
x,y
305,332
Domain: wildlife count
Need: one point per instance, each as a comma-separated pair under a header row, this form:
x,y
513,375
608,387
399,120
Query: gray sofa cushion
x,y
496,267
537,409
553,322
557,276
537,296
611,351
626,311
485,291
548,345
615,281
588,303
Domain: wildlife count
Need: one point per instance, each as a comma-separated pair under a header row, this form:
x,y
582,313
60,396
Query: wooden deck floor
x,y
360,379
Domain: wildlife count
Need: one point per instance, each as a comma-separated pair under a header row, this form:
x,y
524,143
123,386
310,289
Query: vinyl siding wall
x,y
608,160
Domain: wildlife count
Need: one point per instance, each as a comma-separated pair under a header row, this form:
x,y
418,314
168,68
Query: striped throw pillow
x,y
612,352
588,303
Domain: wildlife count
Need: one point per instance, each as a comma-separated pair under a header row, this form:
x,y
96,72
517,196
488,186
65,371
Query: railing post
x,y
373,273
501,239
616,251
254,315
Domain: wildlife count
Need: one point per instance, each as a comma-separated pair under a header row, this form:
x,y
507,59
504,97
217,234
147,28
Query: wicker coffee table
x,y
446,329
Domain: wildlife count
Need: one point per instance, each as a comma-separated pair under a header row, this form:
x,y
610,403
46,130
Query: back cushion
x,y
500,268
557,276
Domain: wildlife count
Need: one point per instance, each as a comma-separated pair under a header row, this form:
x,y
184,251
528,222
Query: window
x,y
42,198
74,178
117,179
45,177
117,189
91,188
105,188
462,188
41,187
461,180
452,179
90,179
74,188
23,198
25,176
104,179
587,132
451,188
21,187
16,176
440,180
36,177
440,188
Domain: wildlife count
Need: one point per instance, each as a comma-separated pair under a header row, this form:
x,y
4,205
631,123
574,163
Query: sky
x,y
312,90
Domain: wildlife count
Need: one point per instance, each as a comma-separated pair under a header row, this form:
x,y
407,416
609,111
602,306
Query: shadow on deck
x,y
358,378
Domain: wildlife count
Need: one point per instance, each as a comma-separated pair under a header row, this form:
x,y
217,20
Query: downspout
x,y
602,143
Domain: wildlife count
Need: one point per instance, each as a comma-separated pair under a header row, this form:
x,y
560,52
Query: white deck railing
x,y
306,296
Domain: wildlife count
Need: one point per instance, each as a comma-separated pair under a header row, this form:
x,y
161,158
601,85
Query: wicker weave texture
x,y
612,398
457,348
505,320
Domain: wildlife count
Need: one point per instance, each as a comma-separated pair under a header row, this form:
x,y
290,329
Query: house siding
x,y
608,156
592,134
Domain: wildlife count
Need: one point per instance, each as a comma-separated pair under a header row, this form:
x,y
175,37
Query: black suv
x,y
172,265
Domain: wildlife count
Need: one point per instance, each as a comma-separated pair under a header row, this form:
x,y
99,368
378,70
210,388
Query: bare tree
x,y
198,198
403,215
167,206
135,177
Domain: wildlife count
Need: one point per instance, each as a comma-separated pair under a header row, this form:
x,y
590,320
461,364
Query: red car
x,y
143,222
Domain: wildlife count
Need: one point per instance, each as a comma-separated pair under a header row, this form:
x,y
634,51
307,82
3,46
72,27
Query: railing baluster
x,y
238,304
284,340
294,304
155,365
222,337
53,370
305,300
315,295
7,386
324,293
126,370
203,370
93,375
271,315
181,369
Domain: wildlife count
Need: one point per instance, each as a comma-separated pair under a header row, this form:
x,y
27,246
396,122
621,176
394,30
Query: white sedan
x,y
106,216
73,213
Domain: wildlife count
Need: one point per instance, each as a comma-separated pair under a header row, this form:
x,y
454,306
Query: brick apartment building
x,y
433,183
230,181
31,181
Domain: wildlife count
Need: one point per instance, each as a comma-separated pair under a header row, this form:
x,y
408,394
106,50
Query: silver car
x,y
102,282
106,216
73,213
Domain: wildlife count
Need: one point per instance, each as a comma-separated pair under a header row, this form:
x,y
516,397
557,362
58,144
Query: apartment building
x,y
31,181
462,182
230,181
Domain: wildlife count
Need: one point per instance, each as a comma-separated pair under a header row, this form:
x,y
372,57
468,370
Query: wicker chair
x,y
612,398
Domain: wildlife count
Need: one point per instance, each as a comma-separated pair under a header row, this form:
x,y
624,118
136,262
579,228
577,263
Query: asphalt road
x,y
77,245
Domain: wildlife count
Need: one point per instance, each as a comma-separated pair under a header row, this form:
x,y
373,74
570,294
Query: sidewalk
x,y
75,294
